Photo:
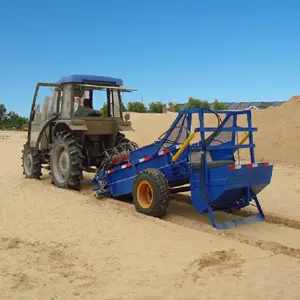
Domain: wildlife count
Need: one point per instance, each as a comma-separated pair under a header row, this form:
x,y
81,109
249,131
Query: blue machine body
x,y
217,182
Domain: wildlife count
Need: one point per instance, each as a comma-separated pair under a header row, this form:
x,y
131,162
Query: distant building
x,y
244,105
253,105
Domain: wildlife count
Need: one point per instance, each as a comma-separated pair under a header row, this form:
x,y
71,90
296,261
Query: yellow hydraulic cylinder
x,y
184,145
243,140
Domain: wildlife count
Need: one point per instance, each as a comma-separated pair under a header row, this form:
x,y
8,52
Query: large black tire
x,y
31,162
151,193
66,161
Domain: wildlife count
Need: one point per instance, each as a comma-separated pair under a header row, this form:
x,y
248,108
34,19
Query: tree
x,y
217,105
174,106
171,104
156,107
197,103
12,115
105,110
11,119
2,111
136,107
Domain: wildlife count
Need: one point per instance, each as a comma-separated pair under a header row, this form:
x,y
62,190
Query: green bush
x,y
197,103
217,105
171,104
176,108
105,110
156,107
136,107
11,119
2,111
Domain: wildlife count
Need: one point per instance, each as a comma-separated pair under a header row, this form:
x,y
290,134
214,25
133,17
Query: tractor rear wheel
x,y
66,161
151,193
31,162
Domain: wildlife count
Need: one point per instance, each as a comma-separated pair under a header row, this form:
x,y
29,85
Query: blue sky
x,y
168,50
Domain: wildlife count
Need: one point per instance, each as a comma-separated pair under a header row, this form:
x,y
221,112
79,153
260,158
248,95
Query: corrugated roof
x,y
245,105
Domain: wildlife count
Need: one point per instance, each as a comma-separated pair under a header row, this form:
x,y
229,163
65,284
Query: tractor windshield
x,y
98,102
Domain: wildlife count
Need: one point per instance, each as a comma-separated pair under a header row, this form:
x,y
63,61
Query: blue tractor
x,y
193,157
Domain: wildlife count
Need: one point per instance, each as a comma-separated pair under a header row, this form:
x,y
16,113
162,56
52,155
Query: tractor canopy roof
x,y
91,79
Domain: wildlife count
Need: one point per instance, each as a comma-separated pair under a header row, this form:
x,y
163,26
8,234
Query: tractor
x,y
67,136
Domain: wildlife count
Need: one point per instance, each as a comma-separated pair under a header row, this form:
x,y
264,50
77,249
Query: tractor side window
x,y
55,103
67,102
100,101
60,103
78,96
43,104
77,103
115,104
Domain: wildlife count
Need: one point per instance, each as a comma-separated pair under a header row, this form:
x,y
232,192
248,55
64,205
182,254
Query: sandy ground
x,y
58,244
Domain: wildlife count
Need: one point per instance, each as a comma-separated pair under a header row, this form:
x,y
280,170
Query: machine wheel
x,y
151,193
31,162
66,161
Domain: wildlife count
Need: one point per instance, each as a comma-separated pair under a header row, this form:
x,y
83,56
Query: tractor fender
x,y
124,126
71,125
78,127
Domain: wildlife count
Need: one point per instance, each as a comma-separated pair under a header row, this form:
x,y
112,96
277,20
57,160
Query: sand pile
x,y
278,132
276,139
148,127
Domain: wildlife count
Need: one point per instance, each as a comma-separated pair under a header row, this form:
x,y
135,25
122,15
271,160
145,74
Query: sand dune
x,y
58,244
278,131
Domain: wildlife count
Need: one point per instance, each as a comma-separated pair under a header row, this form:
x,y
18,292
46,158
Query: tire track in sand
x,y
271,218
177,216
181,218
274,247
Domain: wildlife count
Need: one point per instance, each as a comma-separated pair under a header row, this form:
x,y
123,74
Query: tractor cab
x,y
78,91
79,102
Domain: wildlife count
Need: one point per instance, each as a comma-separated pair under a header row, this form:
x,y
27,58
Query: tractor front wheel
x,y
66,161
151,193
31,162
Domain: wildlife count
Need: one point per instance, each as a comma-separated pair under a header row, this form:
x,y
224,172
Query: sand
x,y
58,244
279,128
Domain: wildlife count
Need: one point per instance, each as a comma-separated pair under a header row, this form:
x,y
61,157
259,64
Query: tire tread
x,y
67,138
